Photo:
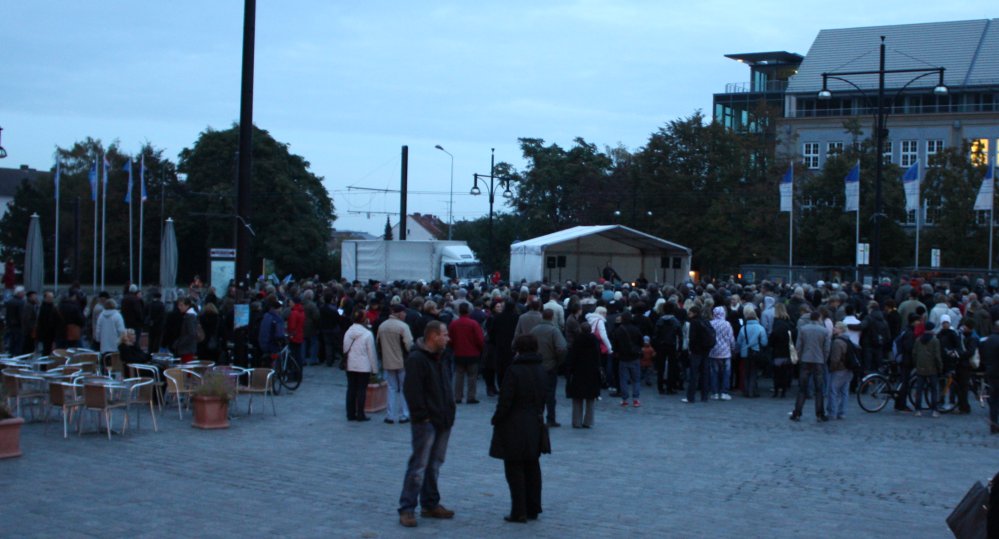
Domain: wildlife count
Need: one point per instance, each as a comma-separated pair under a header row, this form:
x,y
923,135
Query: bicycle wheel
x,y
913,378
873,393
279,373
293,374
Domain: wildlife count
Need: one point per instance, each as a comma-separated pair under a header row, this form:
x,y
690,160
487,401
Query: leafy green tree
x,y
291,211
949,189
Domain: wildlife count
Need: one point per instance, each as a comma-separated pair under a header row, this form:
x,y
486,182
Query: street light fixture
x,y
881,132
450,202
491,186
3,152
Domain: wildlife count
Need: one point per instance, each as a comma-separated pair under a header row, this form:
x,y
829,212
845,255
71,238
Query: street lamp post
x,y
881,131
503,182
450,201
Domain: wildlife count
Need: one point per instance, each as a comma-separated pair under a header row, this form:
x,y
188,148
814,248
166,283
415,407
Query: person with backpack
x,y
842,359
701,341
752,343
813,349
668,335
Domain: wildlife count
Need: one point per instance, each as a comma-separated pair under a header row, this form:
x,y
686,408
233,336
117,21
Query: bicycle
x,y
877,389
287,371
946,394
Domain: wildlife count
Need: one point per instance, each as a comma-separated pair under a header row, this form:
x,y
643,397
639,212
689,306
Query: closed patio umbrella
x,y
34,257
168,260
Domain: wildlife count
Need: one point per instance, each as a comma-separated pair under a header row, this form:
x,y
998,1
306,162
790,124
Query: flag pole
x,y
104,216
992,207
919,207
790,240
130,239
142,207
93,195
856,242
55,254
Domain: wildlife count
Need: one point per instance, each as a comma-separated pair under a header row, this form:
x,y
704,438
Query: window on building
x,y
980,152
834,148
933,148
909,153
910,217
931,213
886,156
810,154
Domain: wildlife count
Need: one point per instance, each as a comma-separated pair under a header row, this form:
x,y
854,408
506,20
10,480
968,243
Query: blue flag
x,y
142,178
787,189
983,202
56,182
128,188
104,182
92,176
852,186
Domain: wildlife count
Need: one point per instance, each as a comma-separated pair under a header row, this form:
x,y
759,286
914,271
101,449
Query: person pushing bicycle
x,y
272,332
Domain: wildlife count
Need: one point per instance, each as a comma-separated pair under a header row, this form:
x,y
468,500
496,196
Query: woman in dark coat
x,y
583,370
501,332
518,429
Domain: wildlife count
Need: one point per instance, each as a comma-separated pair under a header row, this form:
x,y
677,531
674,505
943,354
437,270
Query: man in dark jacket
x,y
155,318
132,310
14,312
989,353
700,334
627,342
551,347
430,397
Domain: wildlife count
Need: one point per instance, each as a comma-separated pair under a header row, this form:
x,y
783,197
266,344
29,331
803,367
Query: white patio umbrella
x,y
168,259
34,257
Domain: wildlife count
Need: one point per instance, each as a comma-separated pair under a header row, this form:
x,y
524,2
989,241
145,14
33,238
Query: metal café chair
x,y
260,381
141,391
23,386
180,383
150,371
66,396
97,397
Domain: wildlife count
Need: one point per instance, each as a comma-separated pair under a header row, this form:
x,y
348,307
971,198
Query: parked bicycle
x,y
287,371
877,389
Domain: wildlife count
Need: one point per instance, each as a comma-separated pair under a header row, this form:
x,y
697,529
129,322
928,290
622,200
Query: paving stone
x,y
719,469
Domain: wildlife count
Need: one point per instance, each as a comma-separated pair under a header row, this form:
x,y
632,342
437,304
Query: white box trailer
x,y
394,260
581,253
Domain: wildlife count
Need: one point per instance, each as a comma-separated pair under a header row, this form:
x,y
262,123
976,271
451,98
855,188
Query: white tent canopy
x,y
581,253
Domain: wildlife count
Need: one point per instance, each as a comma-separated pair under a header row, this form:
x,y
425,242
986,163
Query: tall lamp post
x,y
880,130
503,182
450,200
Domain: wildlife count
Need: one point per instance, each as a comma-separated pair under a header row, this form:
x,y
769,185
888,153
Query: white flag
x,y
910,183
852,185
985,193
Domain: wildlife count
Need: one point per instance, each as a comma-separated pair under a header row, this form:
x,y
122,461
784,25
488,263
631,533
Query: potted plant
x,y
10,429
211,401
376,398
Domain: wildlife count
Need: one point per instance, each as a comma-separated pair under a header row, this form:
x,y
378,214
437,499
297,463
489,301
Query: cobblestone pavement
x,y
718,469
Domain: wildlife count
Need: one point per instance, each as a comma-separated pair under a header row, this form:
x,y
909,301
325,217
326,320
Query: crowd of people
x,y
432,342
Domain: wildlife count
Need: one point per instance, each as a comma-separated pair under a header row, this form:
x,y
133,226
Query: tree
x,y
291,211
949,191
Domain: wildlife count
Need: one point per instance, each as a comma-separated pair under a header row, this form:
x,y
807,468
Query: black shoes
x,y
822,418
795,418
471,401
519,520
553,424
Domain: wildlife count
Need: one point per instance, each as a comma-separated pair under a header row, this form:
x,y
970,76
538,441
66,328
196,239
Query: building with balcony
x,y
920,122
752,107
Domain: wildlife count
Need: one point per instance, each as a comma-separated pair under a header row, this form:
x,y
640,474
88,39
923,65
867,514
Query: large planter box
x,y
376,398
211,412
10,437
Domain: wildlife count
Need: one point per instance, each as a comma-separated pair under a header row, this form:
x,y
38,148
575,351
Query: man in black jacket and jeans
x,y
701,339
989,353
430,396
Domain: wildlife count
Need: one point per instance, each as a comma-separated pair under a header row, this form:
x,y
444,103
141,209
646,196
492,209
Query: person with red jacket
x,y
467,342
296,329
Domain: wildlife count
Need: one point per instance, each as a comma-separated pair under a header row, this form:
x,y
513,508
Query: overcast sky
x,y
346,84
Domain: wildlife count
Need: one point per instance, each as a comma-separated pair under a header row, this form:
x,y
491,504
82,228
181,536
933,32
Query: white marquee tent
x,y
581,253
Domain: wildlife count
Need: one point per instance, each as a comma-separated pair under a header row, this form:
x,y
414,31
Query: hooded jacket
x,y
767,318
599,328
926,355
110,327
724,340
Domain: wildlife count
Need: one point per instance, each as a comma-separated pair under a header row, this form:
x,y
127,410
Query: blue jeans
x,y
629,374
420,484
310,350
721,371
839,392
927,382
396,400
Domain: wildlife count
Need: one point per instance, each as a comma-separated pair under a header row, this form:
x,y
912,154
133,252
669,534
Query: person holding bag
x,y
752,343
519,433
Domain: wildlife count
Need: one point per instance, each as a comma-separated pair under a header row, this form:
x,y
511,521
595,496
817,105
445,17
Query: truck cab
x,y
459,263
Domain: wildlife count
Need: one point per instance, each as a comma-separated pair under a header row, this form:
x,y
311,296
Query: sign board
x,y
934,258
241,316
223,271
863,254
216,252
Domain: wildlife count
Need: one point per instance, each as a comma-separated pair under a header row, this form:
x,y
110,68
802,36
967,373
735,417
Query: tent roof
x,y
618,233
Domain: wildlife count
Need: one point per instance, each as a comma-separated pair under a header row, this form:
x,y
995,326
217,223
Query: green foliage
x,y
950,189
291,212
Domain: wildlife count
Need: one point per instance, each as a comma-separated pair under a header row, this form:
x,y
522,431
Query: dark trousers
x,y
524,480
698,374
782,375
963,377
811,371
660,364
994,402
903,391
15,340
674,371
550,395
357,385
